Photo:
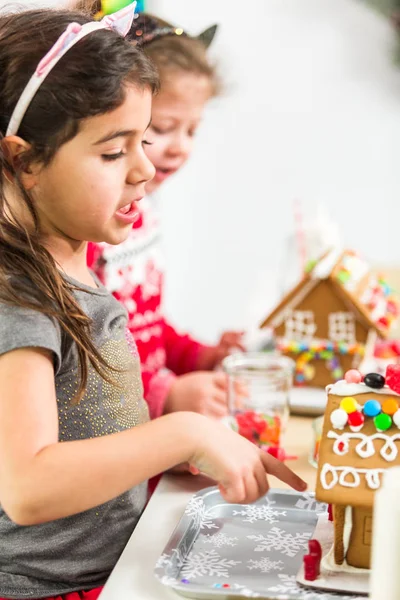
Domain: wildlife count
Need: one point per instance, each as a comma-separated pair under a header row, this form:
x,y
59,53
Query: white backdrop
x,y
311,111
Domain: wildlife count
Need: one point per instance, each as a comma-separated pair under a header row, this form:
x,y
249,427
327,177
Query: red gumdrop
x,y
311,567
393,377
314,548
260,425
355,419
246,431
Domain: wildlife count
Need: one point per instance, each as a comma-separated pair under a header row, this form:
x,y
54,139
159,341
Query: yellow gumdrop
x,y
349,404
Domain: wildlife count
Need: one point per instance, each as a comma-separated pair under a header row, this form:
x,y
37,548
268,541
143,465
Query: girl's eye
x,y
159,131
110,157
147,143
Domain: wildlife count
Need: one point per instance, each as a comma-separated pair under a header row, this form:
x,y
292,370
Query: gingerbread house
x,y
360,439
333,317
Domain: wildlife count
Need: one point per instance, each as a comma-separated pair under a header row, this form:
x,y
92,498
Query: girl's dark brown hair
x,y
170,53
89,80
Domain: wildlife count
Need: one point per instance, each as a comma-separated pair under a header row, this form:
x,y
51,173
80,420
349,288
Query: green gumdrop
x,y
383,421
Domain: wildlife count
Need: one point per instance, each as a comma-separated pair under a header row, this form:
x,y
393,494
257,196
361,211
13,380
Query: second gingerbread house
x,y
333,317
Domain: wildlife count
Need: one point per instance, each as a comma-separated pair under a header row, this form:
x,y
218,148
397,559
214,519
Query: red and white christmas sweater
x,y
133,271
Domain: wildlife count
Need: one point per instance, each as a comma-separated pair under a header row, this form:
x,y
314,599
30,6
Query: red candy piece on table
x,y
314,549
311,567
393,377
312,561
330,512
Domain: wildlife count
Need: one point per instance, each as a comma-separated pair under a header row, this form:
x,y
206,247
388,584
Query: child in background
x,y
174,366
76,445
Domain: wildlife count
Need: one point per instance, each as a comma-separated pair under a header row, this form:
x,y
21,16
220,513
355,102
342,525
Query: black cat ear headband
x,y
146,29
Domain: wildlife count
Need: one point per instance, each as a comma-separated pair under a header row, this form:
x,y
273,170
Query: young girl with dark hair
x,y
76,445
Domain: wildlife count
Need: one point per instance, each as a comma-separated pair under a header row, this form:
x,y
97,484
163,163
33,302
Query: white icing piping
x,y
328,564
371,477
303,292
342,388
366,447
325,266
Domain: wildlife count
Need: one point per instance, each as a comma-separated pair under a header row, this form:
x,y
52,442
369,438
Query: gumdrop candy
x,y
314,548
356,421
353,376
374,380
312,561
393,377
311,567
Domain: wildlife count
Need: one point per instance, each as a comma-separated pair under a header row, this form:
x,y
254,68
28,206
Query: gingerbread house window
x,y
342,327
300,325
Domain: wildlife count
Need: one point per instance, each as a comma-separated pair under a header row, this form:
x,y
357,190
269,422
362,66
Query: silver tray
x,y
221,550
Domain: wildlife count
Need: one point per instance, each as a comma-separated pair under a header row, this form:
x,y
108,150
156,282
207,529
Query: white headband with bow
x,y
120,22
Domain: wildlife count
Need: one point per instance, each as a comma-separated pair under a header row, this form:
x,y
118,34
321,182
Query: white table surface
x,y
133,576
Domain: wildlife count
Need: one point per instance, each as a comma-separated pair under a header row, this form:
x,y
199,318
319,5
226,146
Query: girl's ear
x,y
206,37
13,148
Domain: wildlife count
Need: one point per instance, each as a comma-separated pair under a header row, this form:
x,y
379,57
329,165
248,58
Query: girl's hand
x,y
237,465
201,392
211,357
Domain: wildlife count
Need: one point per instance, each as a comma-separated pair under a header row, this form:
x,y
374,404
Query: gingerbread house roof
x,y
371,298
355,451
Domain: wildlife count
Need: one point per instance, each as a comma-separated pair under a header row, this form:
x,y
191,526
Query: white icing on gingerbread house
x,y
354,453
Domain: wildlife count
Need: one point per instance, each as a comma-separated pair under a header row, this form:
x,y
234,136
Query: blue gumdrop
x,y
372,408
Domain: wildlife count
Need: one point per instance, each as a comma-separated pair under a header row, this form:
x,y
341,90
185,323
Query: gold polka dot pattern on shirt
x,y
106,407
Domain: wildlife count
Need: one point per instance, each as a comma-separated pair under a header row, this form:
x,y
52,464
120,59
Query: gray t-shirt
x,y
77,552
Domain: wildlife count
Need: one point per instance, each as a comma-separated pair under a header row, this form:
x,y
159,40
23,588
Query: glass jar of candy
x,y
259,387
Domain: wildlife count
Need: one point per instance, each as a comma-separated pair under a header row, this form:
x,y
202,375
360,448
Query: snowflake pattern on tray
x,y
278,539
245,591
265,512
308,502
197,510
265,565
220,539
208,563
